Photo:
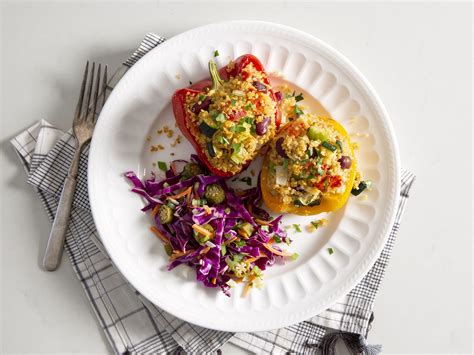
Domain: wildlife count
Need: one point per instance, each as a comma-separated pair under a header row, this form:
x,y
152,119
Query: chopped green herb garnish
x,y
297,228
294,256
271,167
201,98
240,243
250,107
326,183
298,111
216,53
222,140
285,164
162,165
236,147
238,128
223,249
299,97
288,241
316,224
247,180
264,228
246,119
277,239
309,152
233,102
330,251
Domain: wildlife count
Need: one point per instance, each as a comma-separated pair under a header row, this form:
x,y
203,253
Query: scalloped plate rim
x,y
364,265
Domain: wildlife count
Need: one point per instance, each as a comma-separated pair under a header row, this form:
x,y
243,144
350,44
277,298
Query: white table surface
x,y
417,56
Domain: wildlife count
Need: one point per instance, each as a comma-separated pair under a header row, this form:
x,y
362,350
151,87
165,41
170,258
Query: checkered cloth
x,y
131,323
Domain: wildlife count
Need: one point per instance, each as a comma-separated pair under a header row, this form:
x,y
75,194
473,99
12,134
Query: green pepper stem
x,y
216,79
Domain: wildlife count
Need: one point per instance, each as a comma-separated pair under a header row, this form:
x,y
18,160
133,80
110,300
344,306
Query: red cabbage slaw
x,y
230,254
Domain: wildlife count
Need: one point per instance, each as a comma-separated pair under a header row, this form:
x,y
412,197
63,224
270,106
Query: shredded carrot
x,y
259,221
179,254
181,194
207,209
251,260
274,251
201,230
154,211
214,281
159,234
247,286
173,167
205,250
227,242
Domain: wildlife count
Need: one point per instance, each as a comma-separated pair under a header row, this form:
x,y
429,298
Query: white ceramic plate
x,y
140,104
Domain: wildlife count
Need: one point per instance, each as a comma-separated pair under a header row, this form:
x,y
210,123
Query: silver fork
x,y
83,127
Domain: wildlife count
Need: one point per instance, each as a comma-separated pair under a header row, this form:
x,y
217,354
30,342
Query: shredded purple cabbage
x,y
228,254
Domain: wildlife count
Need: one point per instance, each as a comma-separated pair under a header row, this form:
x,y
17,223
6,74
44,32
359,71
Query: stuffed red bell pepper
x,y
229,117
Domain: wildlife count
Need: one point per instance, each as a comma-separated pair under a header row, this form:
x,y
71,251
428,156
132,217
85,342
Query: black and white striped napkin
x,y
131,323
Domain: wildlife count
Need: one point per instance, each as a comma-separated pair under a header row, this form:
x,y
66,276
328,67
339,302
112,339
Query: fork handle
x,y
55,246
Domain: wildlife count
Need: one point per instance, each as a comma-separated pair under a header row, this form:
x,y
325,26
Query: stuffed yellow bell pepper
x,y
310,167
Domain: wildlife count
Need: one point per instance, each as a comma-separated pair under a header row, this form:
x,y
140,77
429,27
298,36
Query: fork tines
x,y
86,110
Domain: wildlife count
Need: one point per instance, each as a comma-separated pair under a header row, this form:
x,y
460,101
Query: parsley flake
x,y
298,111
240,243
162,165
222,140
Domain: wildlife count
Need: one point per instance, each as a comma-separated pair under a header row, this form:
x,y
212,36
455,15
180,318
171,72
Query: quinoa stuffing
x,y
309,161
289,103
233,122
